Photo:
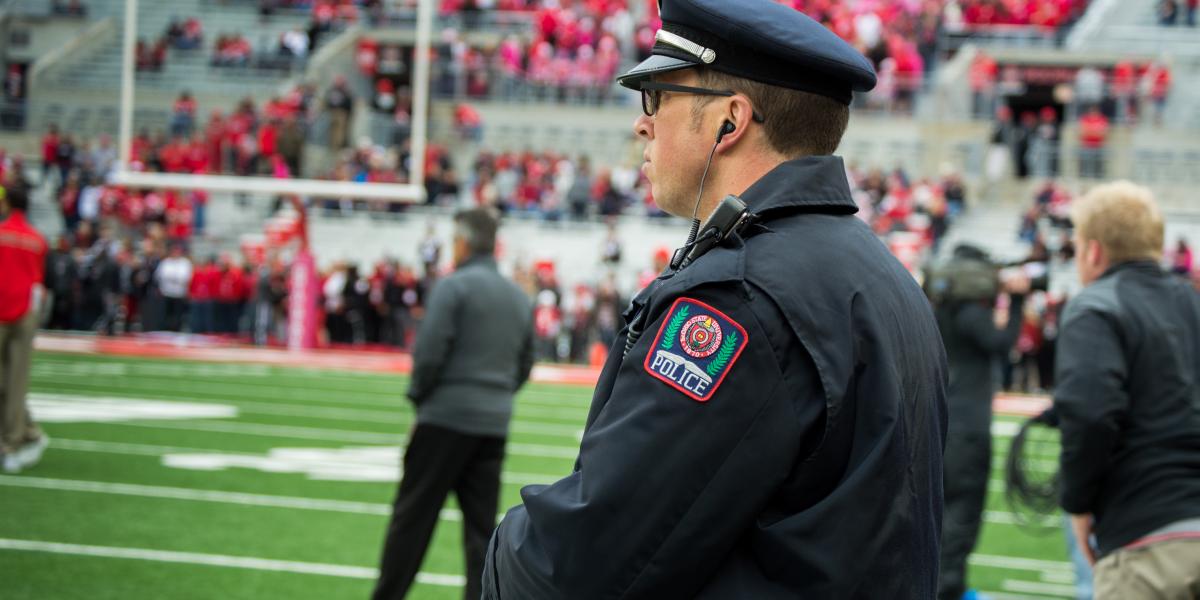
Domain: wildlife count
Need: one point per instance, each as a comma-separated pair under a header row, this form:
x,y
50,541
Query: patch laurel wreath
x,y
723,355
668,339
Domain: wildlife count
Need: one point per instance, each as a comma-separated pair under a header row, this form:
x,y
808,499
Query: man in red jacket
x,y
22,260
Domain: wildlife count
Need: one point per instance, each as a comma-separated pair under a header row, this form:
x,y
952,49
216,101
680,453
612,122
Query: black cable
x,y
696,210
1031,498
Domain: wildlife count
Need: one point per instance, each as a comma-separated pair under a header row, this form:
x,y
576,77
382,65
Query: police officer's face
x,y
675,148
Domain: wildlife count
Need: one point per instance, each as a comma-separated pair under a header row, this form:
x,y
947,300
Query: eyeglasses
x,y
652,96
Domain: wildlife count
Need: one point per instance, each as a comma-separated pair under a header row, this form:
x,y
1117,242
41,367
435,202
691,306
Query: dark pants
x,y
967,463
437,461
174,311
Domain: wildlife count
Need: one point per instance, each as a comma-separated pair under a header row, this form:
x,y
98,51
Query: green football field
x,y
173,479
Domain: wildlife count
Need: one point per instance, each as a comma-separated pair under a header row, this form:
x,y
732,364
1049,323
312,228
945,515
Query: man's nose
x,y
643,127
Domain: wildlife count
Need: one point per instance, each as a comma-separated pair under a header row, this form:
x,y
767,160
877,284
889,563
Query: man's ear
x,y
1095,253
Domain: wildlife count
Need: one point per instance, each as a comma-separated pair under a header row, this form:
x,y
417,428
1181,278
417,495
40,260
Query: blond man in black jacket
x,y
1128,400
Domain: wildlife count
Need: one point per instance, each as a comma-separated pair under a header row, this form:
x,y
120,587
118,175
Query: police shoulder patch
x,y
695,348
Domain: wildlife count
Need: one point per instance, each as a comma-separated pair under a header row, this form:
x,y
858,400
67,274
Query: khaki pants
x,y
16,350
1166,570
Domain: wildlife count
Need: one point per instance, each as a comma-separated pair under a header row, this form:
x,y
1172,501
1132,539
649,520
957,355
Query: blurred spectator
x,y
103,157
1089,87
468,122
1168,12
1041,157
49,151
339,103
232,50
69,8
1181,258
1156,83
185,35
183,115
1003,146
982,76
294,42
1124,91
1093,138
174,277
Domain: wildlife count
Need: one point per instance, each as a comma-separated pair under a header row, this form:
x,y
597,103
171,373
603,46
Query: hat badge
x,y
707,55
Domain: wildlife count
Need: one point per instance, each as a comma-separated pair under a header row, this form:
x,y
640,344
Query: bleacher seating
x,y
183,69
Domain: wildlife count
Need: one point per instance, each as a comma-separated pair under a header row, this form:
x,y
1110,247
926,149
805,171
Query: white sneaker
x,y
11,465
30,454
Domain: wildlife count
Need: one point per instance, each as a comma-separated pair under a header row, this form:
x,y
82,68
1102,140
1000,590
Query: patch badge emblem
x,y
695,348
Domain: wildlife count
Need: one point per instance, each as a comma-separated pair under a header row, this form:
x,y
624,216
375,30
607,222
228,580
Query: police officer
x,y
770,422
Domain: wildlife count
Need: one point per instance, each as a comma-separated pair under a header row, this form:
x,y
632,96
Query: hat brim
x,y
654,65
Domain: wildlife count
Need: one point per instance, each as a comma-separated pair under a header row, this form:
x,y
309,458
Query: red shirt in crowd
x,y
204,283
232,286
23,262
185,106
1093,130
179,216
50,148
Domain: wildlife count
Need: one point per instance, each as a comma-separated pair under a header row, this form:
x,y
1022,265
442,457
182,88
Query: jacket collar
x,y
480,261
809,184
1145,266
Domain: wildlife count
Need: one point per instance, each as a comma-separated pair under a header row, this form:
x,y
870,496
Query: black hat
x,y
759,40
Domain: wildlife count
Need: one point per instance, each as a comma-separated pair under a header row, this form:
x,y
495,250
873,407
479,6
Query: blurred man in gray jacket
x,y
473,351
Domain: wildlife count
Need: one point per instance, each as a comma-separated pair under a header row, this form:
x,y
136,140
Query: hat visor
x,y
654,65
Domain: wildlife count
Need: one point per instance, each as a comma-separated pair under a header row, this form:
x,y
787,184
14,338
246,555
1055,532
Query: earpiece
x,y
726,128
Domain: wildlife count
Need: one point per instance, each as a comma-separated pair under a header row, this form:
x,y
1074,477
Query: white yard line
x,y
1054,590
220,560
395,402
214,496
1019,564
138,373
507,477
178,493
334,435
394,417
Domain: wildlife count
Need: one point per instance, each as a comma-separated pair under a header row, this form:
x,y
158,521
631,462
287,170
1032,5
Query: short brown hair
x,y
478,227
797,123
1124,218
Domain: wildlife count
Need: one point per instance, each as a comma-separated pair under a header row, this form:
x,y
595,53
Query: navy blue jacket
x,y
805,464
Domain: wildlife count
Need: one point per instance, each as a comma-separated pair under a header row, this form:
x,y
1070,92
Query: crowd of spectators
x,y
1053,14
1126,92
186,34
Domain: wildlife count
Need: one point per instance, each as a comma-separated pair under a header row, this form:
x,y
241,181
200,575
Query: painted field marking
x,y
1019,564
57,407
215,496
288,460
220,560
69,408
1055,590
397,406
336,435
